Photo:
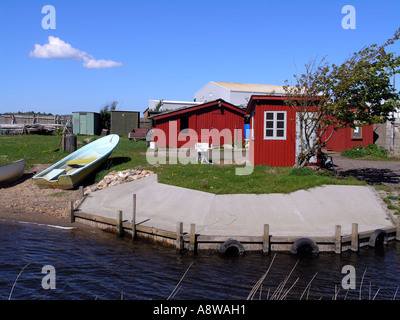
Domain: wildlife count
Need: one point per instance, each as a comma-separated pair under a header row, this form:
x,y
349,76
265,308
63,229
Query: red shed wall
x,y
163,126
213,117
275,153
343,139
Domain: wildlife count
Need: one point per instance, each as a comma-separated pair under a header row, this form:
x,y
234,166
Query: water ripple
x,y
97,265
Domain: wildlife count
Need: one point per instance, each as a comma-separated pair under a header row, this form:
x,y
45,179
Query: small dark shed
x,y
122,122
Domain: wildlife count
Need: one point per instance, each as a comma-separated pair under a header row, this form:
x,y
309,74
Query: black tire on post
x,y
304,245
231,246
378,238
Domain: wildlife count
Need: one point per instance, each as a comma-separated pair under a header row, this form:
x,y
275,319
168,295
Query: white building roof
x,y
176,102
246,87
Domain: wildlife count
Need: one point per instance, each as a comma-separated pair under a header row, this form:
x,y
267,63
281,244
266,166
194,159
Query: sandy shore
x,y
22,200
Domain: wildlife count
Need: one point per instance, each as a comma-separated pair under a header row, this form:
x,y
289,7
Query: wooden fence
x,y
18,124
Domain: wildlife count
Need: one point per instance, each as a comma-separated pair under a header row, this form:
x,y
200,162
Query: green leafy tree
x,y
105,114
159,105
356,93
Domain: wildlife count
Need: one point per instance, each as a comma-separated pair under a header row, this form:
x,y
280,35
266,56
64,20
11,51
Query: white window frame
x,y
252,137
275,120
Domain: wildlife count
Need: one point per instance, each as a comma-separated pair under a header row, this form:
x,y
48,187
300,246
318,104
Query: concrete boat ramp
x,y
327,218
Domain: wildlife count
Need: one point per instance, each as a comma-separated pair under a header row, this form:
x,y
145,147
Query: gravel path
x,y
23,199
372,172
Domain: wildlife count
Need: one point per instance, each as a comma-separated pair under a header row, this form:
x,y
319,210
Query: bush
x,y
105,115
361,152
374,150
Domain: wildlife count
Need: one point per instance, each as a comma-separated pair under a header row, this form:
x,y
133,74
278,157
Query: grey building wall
x,y
232,93
387,135
212,91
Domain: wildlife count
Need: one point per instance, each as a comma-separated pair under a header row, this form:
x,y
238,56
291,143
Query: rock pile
x,y
114,178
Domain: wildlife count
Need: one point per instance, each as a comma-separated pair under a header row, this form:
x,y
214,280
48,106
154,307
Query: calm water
x,y
96,265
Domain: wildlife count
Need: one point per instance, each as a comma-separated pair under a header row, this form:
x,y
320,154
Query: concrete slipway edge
x,y
307,213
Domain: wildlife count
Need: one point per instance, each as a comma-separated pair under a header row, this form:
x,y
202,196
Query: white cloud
x,y
56,49
91,63
59,49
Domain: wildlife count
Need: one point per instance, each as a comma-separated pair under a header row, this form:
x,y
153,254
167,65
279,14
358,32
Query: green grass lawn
x,y
34,148
222,180
218,179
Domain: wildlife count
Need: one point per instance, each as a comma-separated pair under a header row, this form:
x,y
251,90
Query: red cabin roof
x,y
183,110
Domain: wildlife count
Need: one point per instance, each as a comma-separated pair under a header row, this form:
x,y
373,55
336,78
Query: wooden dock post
x,y
134,218
70,142
192,238
179,237
398,228
338,239
81,192
354,237
265,246
71,212
119,224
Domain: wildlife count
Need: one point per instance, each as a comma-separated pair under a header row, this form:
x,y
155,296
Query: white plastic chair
x,y
202,151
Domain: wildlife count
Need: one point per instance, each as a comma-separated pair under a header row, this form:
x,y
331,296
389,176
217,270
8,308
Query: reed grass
x,y
16,279
259,282
178,286
282,291
362,280
307,288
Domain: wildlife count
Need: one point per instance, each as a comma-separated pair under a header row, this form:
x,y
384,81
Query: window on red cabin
x,y
184,125
275,125
357,133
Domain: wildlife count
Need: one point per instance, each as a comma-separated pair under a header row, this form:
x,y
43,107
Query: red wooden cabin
x,y
274,131
348,138
183,127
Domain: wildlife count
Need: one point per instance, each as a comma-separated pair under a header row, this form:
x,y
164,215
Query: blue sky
x,y
169,49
